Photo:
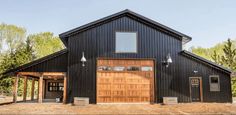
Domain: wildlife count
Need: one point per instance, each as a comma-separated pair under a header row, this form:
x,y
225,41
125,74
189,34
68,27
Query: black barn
x,y
128,58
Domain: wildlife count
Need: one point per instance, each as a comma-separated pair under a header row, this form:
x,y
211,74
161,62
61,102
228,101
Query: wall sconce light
x,y
195,71
83,59
167,61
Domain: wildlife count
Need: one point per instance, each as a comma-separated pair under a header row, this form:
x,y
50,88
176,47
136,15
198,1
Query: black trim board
x,y
208,62
126,12
35,62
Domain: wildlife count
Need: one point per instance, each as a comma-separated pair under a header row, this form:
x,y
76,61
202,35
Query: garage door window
x,y
133,68
146,68
118,68
126,42
104,68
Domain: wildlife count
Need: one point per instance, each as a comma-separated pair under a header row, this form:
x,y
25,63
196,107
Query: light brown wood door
x,y
125,81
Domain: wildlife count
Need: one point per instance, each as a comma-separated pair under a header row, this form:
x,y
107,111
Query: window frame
x,y
135,52
210,83
57,86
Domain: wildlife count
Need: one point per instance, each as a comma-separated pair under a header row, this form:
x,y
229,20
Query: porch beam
x,y
40,99
36,74
54,73
15,89
65,90
32,89
25,88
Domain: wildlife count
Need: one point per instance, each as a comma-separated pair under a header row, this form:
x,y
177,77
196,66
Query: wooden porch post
x,y
32,89
38,89
25,88
40,100
15,89
65,90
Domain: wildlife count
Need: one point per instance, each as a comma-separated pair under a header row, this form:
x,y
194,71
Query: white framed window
x,y
126,42
214,81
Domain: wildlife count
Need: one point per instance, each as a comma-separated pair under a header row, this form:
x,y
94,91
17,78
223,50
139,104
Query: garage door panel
x,y
123,85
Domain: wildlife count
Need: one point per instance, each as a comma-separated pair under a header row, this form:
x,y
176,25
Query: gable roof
x,y
126,12
208,62
36,62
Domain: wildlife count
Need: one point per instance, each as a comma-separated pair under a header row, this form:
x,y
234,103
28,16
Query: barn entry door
x,y
195,89
125,81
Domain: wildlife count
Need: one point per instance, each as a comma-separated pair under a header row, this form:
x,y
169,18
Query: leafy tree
x,y
45,40
11,37
14,59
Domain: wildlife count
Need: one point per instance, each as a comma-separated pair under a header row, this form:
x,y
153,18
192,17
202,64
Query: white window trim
x,y
136,41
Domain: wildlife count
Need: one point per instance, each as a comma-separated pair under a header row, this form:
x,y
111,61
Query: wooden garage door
x,y
125,81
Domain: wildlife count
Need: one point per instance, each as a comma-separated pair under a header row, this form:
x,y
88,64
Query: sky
x,y
208,22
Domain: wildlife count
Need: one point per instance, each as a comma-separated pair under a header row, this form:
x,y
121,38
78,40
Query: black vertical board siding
x,y
99,42
56,64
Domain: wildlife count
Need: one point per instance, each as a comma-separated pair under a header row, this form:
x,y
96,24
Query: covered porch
x,y
51,85
46,78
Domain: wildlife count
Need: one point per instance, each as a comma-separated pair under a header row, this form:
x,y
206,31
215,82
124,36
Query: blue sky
x,y
207,21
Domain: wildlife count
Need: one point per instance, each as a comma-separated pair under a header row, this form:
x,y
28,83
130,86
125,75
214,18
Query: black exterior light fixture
x,y
168,60
83,59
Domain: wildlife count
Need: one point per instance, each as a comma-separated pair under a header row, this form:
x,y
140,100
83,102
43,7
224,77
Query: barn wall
x,y
100,42
189,65
52,94
55,64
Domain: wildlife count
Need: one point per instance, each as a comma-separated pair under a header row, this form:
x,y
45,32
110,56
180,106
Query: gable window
x,y
214,83
126,42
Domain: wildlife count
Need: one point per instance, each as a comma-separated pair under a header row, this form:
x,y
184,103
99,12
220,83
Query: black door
x,y
195,89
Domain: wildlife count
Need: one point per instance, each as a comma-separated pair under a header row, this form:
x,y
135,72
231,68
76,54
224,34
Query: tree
x,y
11,37
216,58
19,57
229,57
45,40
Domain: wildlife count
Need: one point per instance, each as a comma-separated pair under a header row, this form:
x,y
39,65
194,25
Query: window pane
x,y
119,68
126,42
146,68
61,84
133,68
214,79
104,68
214,83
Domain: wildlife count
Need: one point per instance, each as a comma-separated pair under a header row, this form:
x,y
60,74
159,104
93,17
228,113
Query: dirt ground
x,y
58,108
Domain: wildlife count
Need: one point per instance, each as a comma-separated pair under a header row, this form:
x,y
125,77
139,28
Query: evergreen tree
x,y
216,58
229,57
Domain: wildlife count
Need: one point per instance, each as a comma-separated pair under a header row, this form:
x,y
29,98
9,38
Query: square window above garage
x,y
126,42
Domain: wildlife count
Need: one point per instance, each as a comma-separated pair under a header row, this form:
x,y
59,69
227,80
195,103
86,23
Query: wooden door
x,y
195,89
125,81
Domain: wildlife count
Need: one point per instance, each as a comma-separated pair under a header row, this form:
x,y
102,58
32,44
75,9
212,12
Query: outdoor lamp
x,y
168,60
83,59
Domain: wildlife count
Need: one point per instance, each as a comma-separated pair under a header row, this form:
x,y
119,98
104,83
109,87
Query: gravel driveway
x,y
57,108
